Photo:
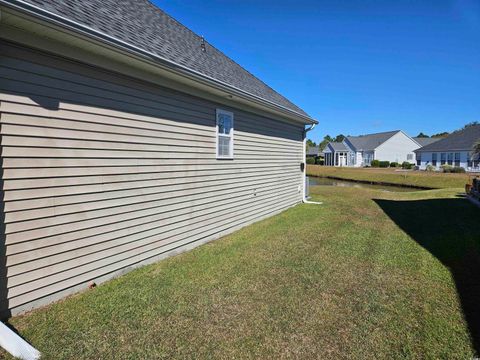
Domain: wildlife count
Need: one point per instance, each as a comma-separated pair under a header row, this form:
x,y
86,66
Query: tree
x,y
310,143
472,123
441,135
476,148
339,138
323,144
422,135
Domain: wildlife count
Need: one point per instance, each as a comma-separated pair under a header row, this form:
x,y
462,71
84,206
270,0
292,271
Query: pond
x,y
319,181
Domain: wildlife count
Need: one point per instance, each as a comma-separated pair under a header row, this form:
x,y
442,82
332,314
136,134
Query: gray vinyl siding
x,y
102,172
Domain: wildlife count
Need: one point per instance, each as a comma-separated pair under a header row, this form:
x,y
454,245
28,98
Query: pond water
x,y
318,181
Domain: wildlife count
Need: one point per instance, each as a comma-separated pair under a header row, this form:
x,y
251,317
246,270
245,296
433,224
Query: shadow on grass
x,y
449,229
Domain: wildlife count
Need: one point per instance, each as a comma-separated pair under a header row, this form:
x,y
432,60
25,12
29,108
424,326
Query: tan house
x,y
126,138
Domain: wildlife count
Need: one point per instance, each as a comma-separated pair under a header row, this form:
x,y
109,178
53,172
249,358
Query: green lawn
x,y
433,180
366,275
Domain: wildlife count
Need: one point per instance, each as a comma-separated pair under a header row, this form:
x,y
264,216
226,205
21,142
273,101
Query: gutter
x,y
304,196
170,65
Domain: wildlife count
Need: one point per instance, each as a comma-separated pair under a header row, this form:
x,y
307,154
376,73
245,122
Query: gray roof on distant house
x,y
371,141
458,140
312,151
337,146
142,25
425,141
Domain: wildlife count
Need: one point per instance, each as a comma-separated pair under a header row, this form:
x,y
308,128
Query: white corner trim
x,y
16,346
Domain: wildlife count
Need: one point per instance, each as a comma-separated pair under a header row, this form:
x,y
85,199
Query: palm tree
x,y
476,148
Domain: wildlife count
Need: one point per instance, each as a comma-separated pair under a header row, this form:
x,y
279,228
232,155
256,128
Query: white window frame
x,y
217,134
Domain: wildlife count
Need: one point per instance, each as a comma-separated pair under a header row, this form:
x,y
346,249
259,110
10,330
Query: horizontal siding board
x,y
181,188
27,173
102,184
112,122
17,185
21,220
141,92
171,214
86,232
38,62
123,259
57,262
102,172
153,249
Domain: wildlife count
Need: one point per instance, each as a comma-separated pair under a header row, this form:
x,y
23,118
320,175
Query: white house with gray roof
x,y
126,137
455,150
357,151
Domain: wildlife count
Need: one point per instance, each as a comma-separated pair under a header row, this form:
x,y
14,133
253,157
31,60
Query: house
x,y
126,138
313,151
456,150
336,154
356,151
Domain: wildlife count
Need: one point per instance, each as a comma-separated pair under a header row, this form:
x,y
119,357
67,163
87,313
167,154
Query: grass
x,y
369,274
432,180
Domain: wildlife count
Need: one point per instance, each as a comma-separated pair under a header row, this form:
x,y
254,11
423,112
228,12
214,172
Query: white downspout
x,y
304,197
15,345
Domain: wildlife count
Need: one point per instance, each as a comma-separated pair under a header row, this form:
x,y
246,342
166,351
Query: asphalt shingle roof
x,y
371,141
312,151
142,24
426,141
458,140
338,146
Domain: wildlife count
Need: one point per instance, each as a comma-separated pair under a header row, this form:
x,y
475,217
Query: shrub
x,y
384,164
394,164
446,168
458,169
430,168
311,160
375,163
319,161
407,165
476,184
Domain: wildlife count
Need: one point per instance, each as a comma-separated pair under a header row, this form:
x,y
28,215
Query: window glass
x,y
224,129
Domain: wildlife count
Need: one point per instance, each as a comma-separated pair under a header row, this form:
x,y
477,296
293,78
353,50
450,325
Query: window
x,y
472,161
419,159
457,159
224,134
409,157
443,158
450,159
434,159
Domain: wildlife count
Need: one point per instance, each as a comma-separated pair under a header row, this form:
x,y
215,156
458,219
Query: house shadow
x,y
449,229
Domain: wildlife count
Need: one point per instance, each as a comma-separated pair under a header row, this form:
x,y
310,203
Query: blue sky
x,y
357,66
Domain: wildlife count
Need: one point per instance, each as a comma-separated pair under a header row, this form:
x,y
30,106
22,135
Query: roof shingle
x,y
371,141
337,146
459,140
425,141
142,24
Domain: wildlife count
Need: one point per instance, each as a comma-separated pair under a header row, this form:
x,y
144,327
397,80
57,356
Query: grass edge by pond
x,y
410,178
382,183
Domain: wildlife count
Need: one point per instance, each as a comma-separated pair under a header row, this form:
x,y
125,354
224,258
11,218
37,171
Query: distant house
x,y
336,154
313,151
356,151
455,150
